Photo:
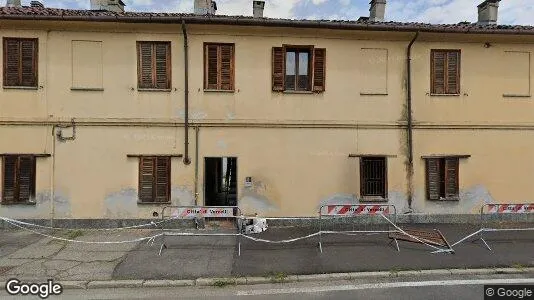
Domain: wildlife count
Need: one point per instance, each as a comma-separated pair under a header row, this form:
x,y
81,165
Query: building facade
x,y
116,115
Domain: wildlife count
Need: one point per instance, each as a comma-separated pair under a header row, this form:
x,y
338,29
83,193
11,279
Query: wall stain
x,y
41,209
471,200
256,199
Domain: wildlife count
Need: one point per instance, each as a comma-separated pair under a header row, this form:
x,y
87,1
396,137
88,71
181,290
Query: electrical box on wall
x,y
248,182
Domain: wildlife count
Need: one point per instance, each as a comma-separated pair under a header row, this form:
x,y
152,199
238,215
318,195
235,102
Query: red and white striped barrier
x,y
354,210
509,208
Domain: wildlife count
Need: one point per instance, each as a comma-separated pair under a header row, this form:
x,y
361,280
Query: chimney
x,y
205,7
109,5
13,3
488,12
377,10
257,8
36,4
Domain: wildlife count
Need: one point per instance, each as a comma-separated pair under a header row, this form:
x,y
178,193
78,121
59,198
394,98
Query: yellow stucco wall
x,y
294,146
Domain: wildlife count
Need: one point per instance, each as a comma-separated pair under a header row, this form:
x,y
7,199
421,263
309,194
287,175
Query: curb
x,y
221,282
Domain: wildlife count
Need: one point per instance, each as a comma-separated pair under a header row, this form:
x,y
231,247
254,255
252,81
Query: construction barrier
x,y
489,213
197,213
336,212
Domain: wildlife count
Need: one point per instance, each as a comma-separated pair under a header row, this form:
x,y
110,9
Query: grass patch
x,y
277,277
221,283
518,266
73,234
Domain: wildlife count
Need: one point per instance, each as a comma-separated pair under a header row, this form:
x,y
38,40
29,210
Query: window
x,y
154,65
445,72
154,179
18,173
373,177
20,62
219,67
442,178
299,68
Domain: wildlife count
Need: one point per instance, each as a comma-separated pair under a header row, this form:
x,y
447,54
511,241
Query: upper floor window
x,y
373,177
154,179
154,65
445,72
298,68
20,62
219,67
18,184
442,178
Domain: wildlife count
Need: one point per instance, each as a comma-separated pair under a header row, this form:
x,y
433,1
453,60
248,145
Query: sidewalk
x,y
27,256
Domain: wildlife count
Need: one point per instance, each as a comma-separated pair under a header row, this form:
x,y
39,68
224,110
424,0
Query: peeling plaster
x,y
193,115
471,200
394,198
255,201
41,209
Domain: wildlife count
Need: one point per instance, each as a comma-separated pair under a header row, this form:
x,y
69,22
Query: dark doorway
x,y
220,180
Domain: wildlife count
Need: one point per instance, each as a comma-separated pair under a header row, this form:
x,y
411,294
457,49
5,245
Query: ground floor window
x,y
154,179
18,184
442,178
373,177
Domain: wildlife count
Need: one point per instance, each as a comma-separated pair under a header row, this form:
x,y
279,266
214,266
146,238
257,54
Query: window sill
x,y
516,96
371,199
455,199
154,90
87,89
444,95
374,94
220,91
19,203
31,88
153,203
297,92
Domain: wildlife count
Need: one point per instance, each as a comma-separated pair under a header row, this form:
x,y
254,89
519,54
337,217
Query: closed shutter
x,y
319,69
162,181
433,178
28,63
9,175
146,179
453,72
451,177
212,67
438,72
26,178
227,66
278,69
145,73
162,66
11,62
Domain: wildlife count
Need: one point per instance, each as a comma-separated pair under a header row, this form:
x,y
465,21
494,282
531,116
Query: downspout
x,y
197,129
410,119
187,160
53,177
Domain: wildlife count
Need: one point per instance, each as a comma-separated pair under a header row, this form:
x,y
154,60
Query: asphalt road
x,y
415,288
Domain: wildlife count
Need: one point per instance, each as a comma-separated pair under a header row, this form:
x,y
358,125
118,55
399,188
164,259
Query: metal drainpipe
x,y
197,129
187,160
53,177
409,117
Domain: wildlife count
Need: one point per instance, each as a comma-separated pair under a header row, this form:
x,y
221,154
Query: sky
x,y
517,12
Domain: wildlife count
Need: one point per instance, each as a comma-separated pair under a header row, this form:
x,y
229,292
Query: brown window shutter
x,y
145,65
146,179
278,68
432,179
451,177
162,182
227,67
9,175
28,62
438,72
453,72
162,57
26,181
211,71
11,62
319,69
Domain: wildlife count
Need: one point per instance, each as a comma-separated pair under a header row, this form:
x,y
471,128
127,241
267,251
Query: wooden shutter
x,y
432,178
20,62
11,62
438,72
162,182
211,67
28,63
453,72
162,65
278,68
226,67
9,175
146,179
319,69
451,177
145,70
26,178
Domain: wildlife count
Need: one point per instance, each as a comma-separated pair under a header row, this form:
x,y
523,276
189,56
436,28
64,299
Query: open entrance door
x,y
220,181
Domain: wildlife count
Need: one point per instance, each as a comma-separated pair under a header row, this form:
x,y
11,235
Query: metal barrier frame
x,y
484,212
391,210
237,214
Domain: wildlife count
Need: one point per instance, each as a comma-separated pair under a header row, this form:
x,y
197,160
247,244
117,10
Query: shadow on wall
x,y
41,209
124,203
471,200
